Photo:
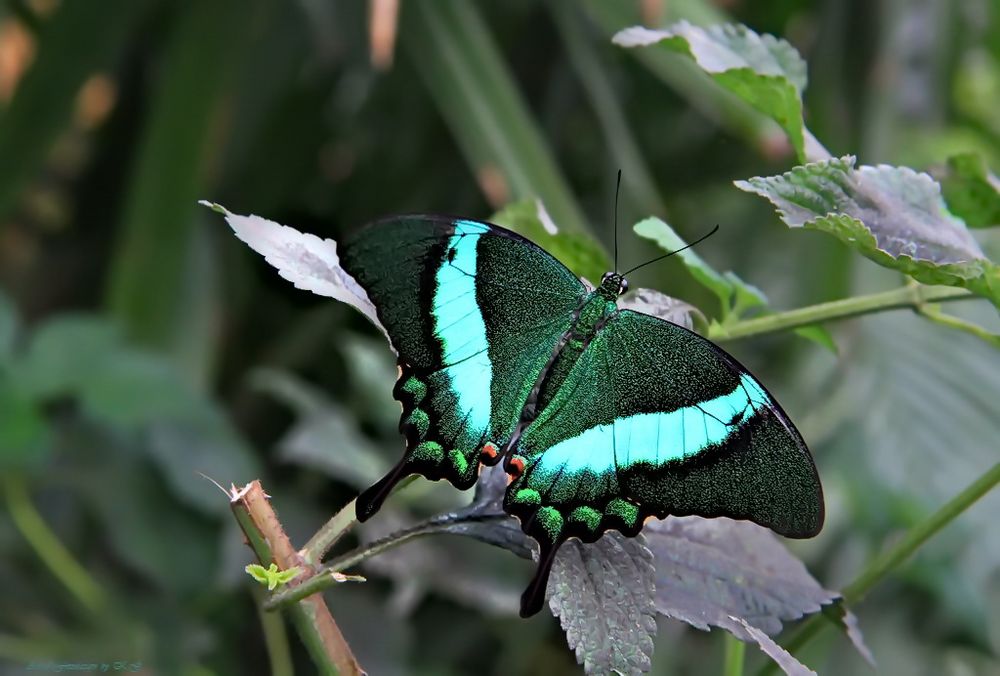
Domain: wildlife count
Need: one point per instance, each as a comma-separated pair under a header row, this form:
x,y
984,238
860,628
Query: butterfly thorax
x,y
594,311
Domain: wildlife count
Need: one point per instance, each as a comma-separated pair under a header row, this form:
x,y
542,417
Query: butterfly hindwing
x,y
474,313
655,420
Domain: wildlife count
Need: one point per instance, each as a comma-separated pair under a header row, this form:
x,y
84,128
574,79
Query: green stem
x,y
904,297
315,625
952,322
318,582
323,579
892,558
49,548
327,536
734,656
275,637
919,534
341,522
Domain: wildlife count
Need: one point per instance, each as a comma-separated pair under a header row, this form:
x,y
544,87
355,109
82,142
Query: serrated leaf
x,y
652,302
258,572
971,190
602,594
781,657
577,251
305,260
893,215
710,569
849,623
271,576
735,296
765,71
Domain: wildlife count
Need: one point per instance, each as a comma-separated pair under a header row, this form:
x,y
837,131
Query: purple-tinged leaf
x,y
305,260
602,594
710,569
781,657
893,215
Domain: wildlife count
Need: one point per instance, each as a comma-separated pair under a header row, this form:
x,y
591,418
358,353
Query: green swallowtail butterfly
x,y
602,417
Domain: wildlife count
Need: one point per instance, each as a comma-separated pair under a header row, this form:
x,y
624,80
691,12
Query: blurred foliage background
x,y
141,343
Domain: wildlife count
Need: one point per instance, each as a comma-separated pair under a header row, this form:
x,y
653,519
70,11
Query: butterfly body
x,y
602,417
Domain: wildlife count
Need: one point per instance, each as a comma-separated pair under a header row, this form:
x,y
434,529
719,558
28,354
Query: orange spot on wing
x,y
516,467
490,451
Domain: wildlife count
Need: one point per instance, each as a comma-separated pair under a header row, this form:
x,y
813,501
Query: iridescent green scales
x,y
602,417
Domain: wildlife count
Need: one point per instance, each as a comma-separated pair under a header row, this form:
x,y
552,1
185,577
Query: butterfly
x,y
602,417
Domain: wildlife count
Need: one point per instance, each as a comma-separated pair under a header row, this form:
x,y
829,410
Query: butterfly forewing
x,y
475,313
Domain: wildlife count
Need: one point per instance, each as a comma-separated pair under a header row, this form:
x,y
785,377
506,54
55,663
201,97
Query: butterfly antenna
x,y
618,186
667,255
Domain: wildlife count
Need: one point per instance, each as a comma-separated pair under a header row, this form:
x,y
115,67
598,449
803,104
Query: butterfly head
x,y
613,285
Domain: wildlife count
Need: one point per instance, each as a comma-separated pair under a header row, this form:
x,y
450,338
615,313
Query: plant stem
x,y
341,522
275,637
735,653
325,578
49,548
313,621
884,564
903,297
952,322
319,582
919,534
327,536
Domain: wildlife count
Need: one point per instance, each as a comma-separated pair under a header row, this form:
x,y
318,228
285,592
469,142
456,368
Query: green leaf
x,y
484,519
9,323
576,250
472,576
63,354
764,71
971,190
271,576
602,594
893,215
24,431
325,436
735,296
129,389
819,335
